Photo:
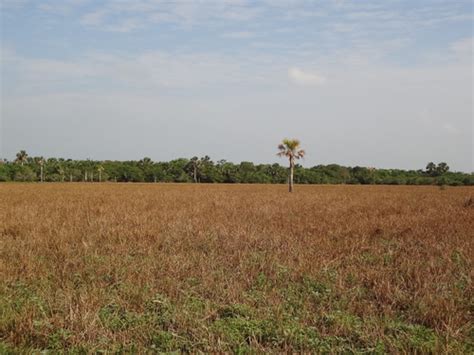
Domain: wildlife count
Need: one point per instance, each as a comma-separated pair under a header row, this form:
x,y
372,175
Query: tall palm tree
x,y
291,148
21,157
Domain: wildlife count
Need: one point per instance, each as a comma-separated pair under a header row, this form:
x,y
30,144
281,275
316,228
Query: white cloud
x,y
111,14
93,18
12,4
362,18
300,77
238,35
128,25
154,70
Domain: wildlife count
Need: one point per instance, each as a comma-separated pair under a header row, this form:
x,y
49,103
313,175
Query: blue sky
x,y
374,83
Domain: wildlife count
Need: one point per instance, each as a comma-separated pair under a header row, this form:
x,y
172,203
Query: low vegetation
x,y
239,268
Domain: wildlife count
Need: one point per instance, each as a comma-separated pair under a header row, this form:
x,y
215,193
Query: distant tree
x,y
290,148
442,168
41,164
145,162
21,157
100,169
61,172
194,165
23,173
275,172
4,171
176,170
207,170
183,170
247,172
202,170
37,163
431,169
362,175
228,171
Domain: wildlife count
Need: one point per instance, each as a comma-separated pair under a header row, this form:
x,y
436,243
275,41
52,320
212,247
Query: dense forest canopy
x,y
204,170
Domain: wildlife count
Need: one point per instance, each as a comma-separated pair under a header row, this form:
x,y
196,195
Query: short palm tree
x,y
291,148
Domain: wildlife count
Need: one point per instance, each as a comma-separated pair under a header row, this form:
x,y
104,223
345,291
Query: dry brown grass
x,y
88,267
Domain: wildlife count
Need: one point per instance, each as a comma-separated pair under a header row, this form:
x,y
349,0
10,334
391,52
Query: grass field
x,y
130,267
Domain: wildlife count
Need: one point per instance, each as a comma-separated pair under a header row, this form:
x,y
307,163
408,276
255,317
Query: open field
x,y
89,267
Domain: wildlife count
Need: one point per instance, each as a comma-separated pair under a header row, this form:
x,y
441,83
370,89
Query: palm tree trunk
x,y
41,174
291,175
195,173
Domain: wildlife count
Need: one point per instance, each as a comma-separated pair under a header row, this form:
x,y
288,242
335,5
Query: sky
x,y
373,83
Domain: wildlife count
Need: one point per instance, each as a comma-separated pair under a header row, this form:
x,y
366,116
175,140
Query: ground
x,y
242,268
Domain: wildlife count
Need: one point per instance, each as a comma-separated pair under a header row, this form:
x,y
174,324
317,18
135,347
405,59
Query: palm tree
x,y
21,157
145,161
290,148
61,172
100,169
196,164
39,161
41,164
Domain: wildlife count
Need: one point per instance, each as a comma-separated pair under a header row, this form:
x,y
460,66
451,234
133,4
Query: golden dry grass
x,y
122,267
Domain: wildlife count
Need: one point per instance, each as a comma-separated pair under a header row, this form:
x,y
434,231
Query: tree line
x,y
205,170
